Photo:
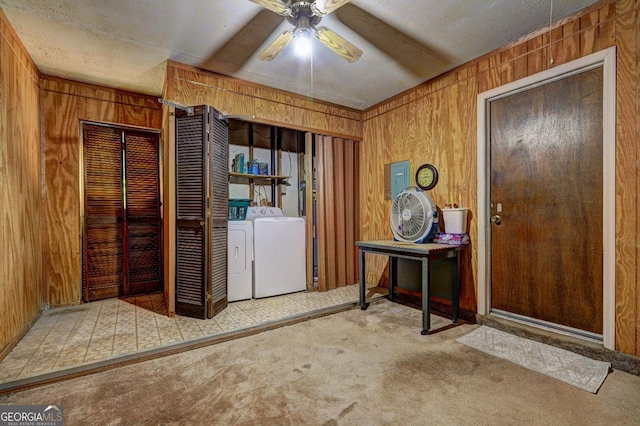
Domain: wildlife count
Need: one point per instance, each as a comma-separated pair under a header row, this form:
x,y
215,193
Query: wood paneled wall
x,y
436,123
20,190
191,86
64,105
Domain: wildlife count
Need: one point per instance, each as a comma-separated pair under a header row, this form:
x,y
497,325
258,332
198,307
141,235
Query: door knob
x,y
496,219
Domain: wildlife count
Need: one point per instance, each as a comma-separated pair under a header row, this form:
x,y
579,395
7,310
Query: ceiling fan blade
x,y
323,7
274,6
411,54
276,47
338,44
244,45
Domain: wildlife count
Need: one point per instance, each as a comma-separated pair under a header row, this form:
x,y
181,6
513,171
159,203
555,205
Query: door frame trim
x,y
607,60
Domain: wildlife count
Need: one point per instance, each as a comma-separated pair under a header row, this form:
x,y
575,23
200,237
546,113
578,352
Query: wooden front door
x,y
547,189
122,225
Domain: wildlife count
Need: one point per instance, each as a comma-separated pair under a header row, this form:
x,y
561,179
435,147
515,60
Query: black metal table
x,y
425,253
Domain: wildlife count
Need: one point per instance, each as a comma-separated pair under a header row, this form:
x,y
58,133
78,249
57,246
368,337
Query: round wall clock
x,y
426,177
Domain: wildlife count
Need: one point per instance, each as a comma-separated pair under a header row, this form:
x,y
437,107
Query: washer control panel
x,y
261,211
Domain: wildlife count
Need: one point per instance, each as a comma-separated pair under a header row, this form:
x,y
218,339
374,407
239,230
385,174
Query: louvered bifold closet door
x,y
191,241
143,212
219,213
201,217
104,213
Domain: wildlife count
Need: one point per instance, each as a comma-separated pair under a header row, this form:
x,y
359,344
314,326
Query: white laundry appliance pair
x,y
279,259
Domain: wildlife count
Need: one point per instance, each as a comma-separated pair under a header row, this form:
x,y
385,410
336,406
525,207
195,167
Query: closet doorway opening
x,y
122,223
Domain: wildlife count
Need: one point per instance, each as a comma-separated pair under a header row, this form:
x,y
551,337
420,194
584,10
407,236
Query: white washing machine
x,y
279,252
240,260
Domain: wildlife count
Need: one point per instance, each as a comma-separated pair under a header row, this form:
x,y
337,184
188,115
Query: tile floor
x,y
78,335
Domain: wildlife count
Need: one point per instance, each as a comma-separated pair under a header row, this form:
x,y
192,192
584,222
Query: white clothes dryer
x,y
240,260
279,265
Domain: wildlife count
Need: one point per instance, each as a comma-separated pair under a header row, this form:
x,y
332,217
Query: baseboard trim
x,y
13,342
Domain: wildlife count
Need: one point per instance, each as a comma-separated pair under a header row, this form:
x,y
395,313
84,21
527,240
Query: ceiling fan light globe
x,y
303,46
303,33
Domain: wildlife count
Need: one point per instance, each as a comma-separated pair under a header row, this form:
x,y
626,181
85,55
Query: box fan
x,y
414,216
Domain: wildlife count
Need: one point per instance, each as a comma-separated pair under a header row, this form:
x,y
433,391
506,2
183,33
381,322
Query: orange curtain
x,y
336,211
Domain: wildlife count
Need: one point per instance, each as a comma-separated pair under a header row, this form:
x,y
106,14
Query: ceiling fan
x,y
305,16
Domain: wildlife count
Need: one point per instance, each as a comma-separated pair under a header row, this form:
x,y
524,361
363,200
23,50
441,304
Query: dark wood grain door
x,y
103,267
143,221
546,187
122,232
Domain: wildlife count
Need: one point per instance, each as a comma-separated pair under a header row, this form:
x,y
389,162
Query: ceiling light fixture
x,y
303,46
302,37
305,15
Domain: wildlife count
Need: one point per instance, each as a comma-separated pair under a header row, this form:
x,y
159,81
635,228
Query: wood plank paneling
x,y
445,108
168,195
191,86
627,315
637,185
64,105
20,190
63,249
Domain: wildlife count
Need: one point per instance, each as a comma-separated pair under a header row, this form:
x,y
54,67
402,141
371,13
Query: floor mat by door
x,y
576,370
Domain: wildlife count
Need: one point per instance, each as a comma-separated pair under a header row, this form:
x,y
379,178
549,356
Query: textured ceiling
x,y
125,44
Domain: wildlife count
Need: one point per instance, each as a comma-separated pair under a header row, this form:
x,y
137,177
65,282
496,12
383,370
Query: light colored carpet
x,y
568,367
356,367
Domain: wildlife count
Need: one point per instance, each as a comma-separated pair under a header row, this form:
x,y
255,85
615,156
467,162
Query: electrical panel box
x,y
399,177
